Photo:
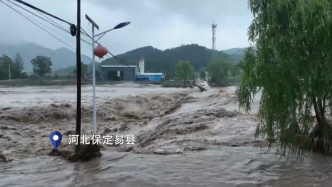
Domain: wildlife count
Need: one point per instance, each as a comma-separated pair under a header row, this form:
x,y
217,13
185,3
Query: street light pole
x,y
93,73
93,63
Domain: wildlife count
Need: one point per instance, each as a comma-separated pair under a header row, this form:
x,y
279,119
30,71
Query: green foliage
x,y
6,63
203,75
18,67
41,65
84,69
235,70
184,71
218,70
91,72
97,74
291,68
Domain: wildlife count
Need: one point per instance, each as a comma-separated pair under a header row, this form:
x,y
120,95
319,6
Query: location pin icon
x,y
56,138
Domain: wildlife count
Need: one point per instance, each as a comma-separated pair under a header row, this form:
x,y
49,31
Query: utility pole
x,y
78,70
93,73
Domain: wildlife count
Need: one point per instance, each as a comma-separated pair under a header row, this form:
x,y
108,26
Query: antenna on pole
x,y
214,26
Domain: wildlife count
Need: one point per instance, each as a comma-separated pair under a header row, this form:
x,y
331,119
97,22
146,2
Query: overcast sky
x,y
159,23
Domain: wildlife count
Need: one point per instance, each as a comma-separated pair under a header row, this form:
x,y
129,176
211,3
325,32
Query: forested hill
x,y
164,61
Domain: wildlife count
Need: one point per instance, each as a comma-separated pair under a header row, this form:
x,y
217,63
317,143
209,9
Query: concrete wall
x,y
129,73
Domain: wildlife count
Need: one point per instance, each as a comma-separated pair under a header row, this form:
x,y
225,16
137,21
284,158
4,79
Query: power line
x,y
59,32
32,20
43,23
84,32
54,23
37,25
108,51
51,20
38,16
119,60
35,8
48,27
57,25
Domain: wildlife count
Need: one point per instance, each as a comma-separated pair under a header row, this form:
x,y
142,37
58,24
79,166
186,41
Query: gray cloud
x,y
159,23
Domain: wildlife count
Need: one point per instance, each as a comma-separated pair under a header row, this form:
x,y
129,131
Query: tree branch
x,y
316,111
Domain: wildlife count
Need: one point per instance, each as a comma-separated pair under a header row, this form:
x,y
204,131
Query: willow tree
x,y
291,66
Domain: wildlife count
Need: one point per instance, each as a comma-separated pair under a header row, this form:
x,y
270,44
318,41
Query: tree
x,y
84,69
6,65
235,70
18,67
292,69
97,74
41,65
219,70
203,75
184,71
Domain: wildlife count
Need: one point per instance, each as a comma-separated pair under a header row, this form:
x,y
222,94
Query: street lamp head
x,y
120,25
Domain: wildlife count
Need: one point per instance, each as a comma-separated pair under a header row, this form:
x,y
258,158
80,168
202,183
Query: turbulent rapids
x,y
183,137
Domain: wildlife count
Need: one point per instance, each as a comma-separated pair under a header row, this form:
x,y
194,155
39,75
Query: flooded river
x,y
205,141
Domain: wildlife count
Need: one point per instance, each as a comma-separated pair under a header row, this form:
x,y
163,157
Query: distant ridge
x,y
157,60
61,57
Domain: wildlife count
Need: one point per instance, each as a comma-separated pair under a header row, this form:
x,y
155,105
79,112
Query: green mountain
x,y
234,50
164,61
64,59
61,58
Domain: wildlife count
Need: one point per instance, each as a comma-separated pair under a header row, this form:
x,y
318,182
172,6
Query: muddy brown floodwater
x,y
183,137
